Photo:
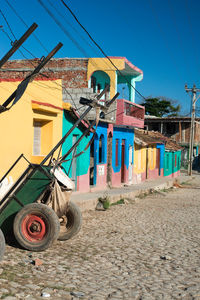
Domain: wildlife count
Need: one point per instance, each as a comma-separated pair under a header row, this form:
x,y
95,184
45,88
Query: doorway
x,y
74,162
109,160
92,164
158,160
123,162
130,167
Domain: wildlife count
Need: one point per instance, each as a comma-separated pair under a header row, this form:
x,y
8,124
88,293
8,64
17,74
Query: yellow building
x,y
146,157
32,126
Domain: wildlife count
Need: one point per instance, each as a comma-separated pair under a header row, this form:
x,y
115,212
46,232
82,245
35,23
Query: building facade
x,y
33,126
178,129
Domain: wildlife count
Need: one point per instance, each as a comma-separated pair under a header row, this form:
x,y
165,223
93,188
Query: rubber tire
x,y
2,245
52,224
74,223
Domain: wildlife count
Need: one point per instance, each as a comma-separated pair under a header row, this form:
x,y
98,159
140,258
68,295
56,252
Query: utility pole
x,y
194,99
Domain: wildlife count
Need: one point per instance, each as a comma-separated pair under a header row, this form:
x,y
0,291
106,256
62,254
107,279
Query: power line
x,y
68,23
26,49
100,48
62,27
3,15
16,13
66,33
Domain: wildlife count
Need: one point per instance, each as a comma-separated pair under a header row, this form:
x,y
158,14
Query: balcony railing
x,y
129,113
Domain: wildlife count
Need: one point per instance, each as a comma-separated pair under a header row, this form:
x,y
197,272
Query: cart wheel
x,y
2,245
71,222
36,227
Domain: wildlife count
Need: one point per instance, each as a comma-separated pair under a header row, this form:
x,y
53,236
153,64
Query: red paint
x,y
110,129
33,228
134,116
47,104
175,174
83,183
122,162
117,177
153,174
101,179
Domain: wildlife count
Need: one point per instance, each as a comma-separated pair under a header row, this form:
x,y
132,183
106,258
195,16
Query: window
x,y
98,88
42,137
107,94
93,84
167,161
117,152
101,149
175,162
37,138
139,159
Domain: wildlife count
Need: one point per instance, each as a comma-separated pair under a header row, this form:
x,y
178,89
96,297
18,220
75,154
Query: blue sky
x,y
159,37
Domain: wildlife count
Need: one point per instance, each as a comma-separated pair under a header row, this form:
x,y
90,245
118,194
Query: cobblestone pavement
x,y
148,249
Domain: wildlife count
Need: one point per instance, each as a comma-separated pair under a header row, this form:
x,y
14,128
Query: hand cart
x,y
25,210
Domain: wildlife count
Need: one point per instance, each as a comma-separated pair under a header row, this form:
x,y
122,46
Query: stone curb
x,y
92,200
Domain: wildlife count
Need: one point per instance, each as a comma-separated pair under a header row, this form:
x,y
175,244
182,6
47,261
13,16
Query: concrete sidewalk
x,y
88,201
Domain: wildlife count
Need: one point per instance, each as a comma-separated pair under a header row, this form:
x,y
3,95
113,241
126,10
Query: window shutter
x,y
37,138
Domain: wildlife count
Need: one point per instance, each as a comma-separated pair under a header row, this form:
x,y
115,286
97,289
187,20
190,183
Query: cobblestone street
x,y
148,249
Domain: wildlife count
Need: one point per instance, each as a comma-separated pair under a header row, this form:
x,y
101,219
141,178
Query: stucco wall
x,y
172,162
41,101
127,135
83,160
100,168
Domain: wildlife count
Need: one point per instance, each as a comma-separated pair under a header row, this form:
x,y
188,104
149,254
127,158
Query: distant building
x,y
178,129
155,156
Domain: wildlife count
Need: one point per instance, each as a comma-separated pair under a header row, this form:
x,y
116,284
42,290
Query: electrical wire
x,y
14,10
41,42
27,51
58,23
69,24
100,48
3,15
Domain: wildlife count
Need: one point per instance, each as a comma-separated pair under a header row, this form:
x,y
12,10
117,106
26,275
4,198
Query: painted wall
x,y
40,102
83,161
155,169
172,163
120,134
161,148
103,64
102,79
129,114
100,168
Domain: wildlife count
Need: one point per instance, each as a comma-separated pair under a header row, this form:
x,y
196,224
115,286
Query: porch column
x,y
132,90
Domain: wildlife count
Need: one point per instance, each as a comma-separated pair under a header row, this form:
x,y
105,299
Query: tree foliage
x,y
161,107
